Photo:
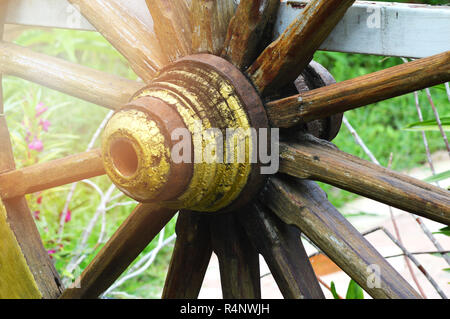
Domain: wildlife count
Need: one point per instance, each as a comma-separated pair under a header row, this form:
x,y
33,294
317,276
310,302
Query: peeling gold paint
x,y
153,155
200,95
16,279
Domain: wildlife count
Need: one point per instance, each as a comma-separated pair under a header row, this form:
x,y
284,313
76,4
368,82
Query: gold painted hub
x,y
138,147
135,154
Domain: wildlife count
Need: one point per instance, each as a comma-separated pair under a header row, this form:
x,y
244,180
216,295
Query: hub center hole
x,y
124,157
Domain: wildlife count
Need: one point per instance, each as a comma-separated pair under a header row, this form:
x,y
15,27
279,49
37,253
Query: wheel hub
x,y
186,139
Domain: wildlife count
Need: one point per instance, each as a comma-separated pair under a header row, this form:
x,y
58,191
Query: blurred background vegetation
x,y
65,126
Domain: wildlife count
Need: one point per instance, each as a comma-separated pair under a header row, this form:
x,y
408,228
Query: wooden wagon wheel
x,y
210,64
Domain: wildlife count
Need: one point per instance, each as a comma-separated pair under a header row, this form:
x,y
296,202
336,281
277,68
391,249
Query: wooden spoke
x,y
138,230
210,19
304,205
129,35
315,159
190,257
238,260
282,248
27,271
282,61
55,173
172,25
246,30
73,79
363,90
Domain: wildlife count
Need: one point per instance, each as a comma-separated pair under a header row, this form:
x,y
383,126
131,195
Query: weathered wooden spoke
x,y
129,35
27,270
318,160
361,91
172,25
210,19
55,173
246,30
238,259
136,232
304,205
190,257
283,60
282,248
82,82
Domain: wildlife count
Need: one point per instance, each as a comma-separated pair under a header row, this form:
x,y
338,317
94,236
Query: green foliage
x,y
444,231
438,177
333,291
354,291
430,125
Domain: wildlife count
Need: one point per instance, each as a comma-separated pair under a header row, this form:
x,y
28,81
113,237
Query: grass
x,y
73,122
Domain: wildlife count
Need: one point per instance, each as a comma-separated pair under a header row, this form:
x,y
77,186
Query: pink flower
x,y
39,200
40,109
36,145
68,216
36,214
51,252
44,124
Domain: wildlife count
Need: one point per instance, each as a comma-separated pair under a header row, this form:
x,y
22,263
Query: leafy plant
x,y
438,177
430,125
444,231
354,291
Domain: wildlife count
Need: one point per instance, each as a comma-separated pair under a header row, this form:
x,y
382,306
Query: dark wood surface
x,y
281,246
304,204
321,161
190,257
283,60
238,259
360,91
247,29
210,20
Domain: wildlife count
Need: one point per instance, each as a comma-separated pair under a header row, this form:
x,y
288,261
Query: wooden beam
x,y
360,91
172,25
381,28
127,33
51,174
304,204
79,81
190,257
282,248
210,20
238,259
283,60
136,232
247,30
388,29
319,160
